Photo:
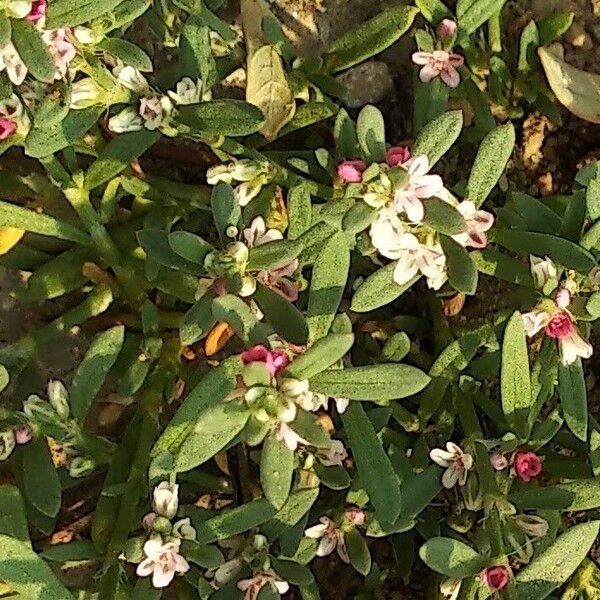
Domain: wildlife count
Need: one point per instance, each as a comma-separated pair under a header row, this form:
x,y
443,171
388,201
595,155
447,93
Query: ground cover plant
x,y
315,353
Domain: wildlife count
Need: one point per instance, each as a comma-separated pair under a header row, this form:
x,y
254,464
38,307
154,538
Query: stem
x,y
495,32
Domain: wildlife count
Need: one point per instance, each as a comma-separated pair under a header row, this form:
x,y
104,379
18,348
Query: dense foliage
x,y
318,342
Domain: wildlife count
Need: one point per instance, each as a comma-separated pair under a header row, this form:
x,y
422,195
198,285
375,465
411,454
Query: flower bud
x,y
446,29
162,525
85,93
37,409
23,434
8,127
355,515
527,465
183,529
166,499
563,298
59,398
351,171
148,521
450,588
232,231
397,155
496,578
248,286
7,443
498,461
81,466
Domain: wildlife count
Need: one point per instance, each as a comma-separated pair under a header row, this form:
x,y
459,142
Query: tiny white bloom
x,y
127,120
457,463
132,79
289,437
19,9
336,454
535,321
330,538
186,91
258,234
184,529
7,443
59,398
162,561
11,107
12,63
542,270
85,93
166,499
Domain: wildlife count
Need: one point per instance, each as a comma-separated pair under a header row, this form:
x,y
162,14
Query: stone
x,y
367,83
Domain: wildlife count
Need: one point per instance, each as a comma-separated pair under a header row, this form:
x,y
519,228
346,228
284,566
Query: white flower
x,y
166,499
477,223
11,107
85,93
244,169
132,79
330,538
341,404
418,187
183,529
18,9
258,234
535,321
289,437
153,110
12,63
336,454
456,461
163,562
573,346
127,120
252,587
7,443
532,525
85,35
58,398
248,190
542,270
186,91
450,588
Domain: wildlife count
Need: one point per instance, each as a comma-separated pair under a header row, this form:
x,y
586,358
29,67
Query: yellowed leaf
x,y
577,90
253,13
267,88
219,335
9,238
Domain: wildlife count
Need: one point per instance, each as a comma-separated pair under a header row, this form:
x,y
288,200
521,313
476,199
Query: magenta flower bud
x,y
38,11
397,155
23,434
496,578
275,360
498,461
446,29
7,128
561,326
527,465
148,521
351,170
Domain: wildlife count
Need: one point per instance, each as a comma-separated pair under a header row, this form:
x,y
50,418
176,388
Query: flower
x,y
456,461
7,128
446,29
335,454
258,234
61,50
18,9
355,515
563,298
85,93
252,587
58,398
535,321
132,79
570,343
542,270
166,499
163,562
12,63
496,578
351,170
152,109
289,437
498,461
527,465
275,360
183,529
23,434
439,62
477,222
38,11
330,538
450,588
127,120
278,280
148,521
397,155
186,91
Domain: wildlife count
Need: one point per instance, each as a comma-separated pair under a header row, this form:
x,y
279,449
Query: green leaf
x,y
370,38
239,315
273,255
276,470
282,315
97,362
215,427
592,198
117,155
582,494
474,13
27,574
329,276
129,53
321,355
433,10
226,116
379,289
538,216
573,398
297,505
564,252
156,244
344,132
370,130
358,551
373,382
225,208
5,30
492,156
40,479
552,27
374,467
18,217
69,13
308,427
235,520
299,209
496,263
189,246
208,557
438,136
71,551
451,558
196,58
32,50
515,377
13,519
291,571
443,217
557,563
4,378
462,272
197,321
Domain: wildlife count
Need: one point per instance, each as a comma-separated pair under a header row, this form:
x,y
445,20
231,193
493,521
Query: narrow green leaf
x,y
582,494
474,13
379,289
573,398
438,136
462,272
370,129
358,551
276,470
69,13
13,519
129,53
443,217
226,116
321,355
225,208
40,479
32,50
451,557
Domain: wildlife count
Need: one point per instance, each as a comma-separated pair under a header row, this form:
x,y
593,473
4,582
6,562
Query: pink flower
x,y
148,521
563,298
477,222
560,326
356,516
38,10
498,461
496,578
252,587
457,463
446,29
351,170
23,434
7,128
61,49
330,538
162,561
527,465
397,155
439,62
275,360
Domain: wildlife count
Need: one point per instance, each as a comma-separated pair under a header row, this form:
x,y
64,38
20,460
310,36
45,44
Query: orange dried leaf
x,y
9,237
219,335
